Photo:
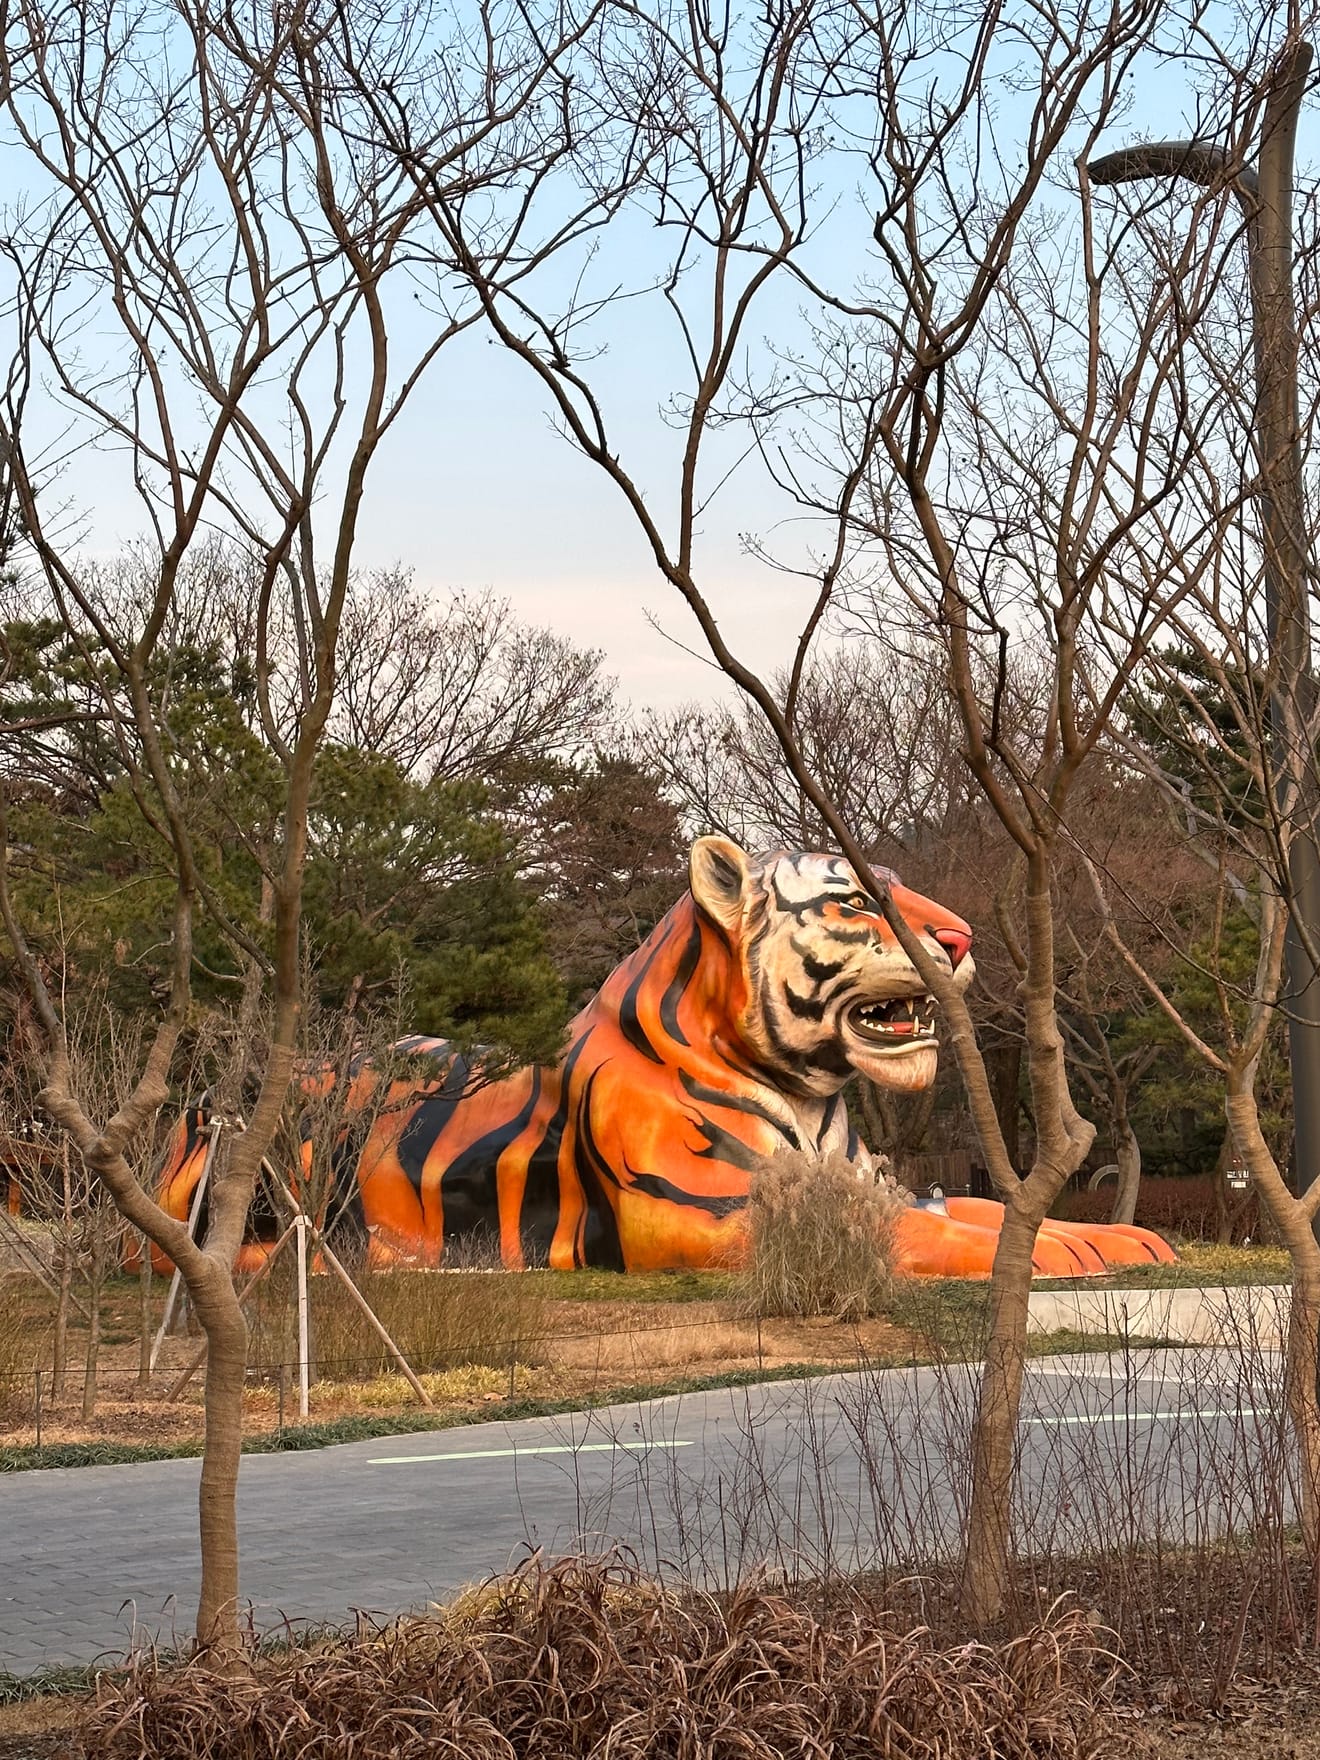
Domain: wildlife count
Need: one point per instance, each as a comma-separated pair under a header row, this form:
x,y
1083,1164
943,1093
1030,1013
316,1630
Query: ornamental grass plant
x,y
820,1238
587,1658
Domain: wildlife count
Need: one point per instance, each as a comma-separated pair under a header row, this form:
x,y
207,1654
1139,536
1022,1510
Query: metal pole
x,y
1266,198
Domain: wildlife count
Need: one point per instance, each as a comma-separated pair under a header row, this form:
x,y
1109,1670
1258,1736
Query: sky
x,y
476,491
480,491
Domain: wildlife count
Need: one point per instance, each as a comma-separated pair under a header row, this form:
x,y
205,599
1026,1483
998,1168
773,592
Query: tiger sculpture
x,y
730,1033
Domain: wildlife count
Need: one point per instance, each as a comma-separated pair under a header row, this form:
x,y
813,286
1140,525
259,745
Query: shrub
x,y
1184,1207
440,1320
820,1238
582,1658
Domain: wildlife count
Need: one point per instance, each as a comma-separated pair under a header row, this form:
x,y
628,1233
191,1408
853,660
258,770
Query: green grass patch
x,y
951,1315
46,1683
632,1286
1199,1266
952,1318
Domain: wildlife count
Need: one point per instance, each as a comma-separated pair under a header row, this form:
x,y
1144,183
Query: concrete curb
x,y
1248,1313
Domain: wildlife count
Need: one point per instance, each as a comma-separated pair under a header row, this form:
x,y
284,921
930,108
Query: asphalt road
x,y
851,1471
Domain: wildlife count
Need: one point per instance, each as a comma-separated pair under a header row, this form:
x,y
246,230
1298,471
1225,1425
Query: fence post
x,y
37,1406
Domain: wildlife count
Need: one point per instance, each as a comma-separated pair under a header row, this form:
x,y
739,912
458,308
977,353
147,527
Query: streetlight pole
x,y
1265,195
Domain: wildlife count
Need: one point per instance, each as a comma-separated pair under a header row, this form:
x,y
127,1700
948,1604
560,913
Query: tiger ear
x,y
718,871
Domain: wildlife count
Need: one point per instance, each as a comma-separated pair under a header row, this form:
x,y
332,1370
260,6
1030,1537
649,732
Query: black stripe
x,y
542,1197
799,910
652,1185
827,1119
721,1145
820,969
678,984
705,1096
418,1136
629,1025
807,1008
655,1186
469,1192
602,1249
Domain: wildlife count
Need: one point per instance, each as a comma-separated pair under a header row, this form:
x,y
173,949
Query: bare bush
x,y
588,1658
821,1238
15,1342
480,1316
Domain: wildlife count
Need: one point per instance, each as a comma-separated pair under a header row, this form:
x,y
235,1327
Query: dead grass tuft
x,y
585,1658
821,1233
478,1315
15,1346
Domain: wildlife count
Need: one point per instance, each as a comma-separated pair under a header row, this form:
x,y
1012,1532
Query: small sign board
x,y
1238,1178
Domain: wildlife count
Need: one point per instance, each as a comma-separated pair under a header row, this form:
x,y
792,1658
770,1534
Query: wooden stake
x,y
373,1320
405,1368
300,1223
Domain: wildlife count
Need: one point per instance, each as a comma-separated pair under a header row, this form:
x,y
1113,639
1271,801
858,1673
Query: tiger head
x,y
827,989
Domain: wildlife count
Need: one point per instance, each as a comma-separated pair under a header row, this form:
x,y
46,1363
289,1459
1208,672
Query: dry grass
x,y
821,1239
1215,1264
585,1659
703,1335
448,1387
440,1320
16,1347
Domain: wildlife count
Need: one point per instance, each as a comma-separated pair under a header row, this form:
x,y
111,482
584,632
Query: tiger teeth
x,y
908,1016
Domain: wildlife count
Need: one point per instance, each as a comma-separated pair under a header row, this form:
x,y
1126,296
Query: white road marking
x,y
1146,1417
495,1454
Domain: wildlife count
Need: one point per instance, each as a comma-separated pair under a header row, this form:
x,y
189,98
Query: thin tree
x,y
202,263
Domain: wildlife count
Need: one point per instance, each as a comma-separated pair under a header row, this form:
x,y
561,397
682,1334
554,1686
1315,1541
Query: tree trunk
x,y
1227,1212
95,1284
1300,1371
60,1359
994,1434
1127,1154
226,1361
1303,1352
1004,1063
145,1328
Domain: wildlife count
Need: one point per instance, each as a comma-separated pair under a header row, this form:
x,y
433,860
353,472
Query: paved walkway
x,y
846,1471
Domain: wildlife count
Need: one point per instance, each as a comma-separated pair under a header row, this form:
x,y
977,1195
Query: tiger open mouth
x,y
898,1023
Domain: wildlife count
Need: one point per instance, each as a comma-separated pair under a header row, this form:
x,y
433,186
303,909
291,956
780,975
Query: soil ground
x,y
577,1348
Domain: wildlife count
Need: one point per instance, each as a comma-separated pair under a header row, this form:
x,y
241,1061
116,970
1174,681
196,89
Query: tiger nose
x,y
955,942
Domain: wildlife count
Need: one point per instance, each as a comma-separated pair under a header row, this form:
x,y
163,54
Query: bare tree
x,y
461,689
201,265
1005,452
873,730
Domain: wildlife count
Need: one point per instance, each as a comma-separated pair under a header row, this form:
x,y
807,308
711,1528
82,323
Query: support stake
x,y
300,1224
